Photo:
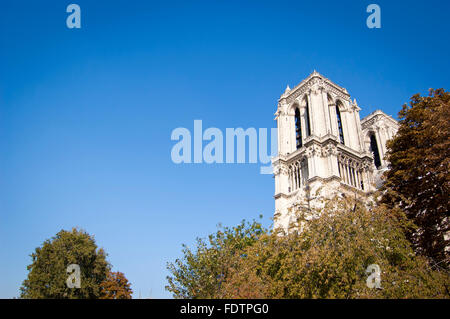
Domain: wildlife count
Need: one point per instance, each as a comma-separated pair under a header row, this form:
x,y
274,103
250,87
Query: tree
x,y
418,179
200,273
330,256
325,256
116,286
47,277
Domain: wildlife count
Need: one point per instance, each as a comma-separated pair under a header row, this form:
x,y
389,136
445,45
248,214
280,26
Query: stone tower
x,y
324,148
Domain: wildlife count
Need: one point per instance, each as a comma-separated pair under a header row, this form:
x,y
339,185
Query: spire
x,y
288,89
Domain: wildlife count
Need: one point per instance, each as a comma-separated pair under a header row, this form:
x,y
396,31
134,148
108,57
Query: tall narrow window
x,y
339,120
308,123
361,179
375,152
305,171
298,128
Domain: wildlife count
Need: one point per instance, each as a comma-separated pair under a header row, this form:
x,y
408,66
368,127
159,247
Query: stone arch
x,y
339,102
295,136
300,123
292,107
330,99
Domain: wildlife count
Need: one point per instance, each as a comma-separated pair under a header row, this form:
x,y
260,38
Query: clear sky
x,y
86,114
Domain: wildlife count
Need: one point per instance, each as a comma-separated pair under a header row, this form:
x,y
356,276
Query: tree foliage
x,y
200,273
418,179
115,286
327,259
47,273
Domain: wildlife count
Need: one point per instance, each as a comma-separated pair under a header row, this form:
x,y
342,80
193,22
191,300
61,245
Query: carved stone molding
x,y
313,150
314,84
328,150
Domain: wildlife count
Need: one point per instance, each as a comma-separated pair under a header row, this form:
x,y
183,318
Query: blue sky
x,y
86,115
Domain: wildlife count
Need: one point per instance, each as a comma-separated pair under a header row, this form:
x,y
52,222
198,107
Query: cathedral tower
x,y
323,147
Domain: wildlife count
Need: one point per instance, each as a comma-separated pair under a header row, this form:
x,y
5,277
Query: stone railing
x,y
353,171
298,174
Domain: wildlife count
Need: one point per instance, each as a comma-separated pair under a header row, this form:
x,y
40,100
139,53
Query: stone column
x,y
333,120
348,138
358,129
326,111
312,114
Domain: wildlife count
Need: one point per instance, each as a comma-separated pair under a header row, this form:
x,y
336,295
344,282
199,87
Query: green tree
x,y
418,179
200,273
328,258
48,271
116,286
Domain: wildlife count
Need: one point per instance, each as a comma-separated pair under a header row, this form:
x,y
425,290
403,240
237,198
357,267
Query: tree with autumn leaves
x,y
115,286
47,276
418,179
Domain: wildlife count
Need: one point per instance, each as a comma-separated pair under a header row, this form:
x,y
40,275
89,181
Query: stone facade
x,y
324,148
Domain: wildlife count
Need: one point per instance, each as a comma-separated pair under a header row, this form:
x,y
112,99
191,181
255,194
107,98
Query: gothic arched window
x,y
375,152
298,128
308,123
339,121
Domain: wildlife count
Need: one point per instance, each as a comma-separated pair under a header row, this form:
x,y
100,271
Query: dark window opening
x,y
339,120
374,149
298,129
